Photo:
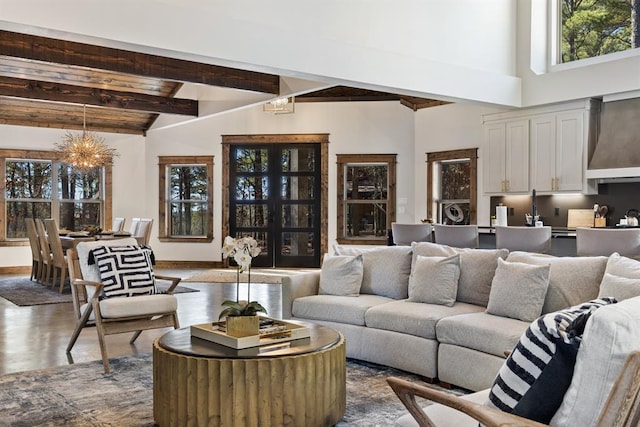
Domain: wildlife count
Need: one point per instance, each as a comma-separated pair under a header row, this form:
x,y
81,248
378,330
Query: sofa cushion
x,y
481,331
386,269
341,275
620,288
477,267
622,266
334,308
611,334
414,318
434,280
533,380
572,280
518,290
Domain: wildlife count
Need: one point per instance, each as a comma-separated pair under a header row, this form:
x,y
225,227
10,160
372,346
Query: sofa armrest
x,y
296,286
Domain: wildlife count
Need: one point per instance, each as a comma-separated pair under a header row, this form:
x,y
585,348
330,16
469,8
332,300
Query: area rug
x,y
82,395
23,292
258,275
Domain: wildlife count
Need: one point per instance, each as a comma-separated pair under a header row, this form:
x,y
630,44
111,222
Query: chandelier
x,y
280,106
85,151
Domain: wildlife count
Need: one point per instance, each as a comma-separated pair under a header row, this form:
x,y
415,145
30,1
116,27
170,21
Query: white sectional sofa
x,y
461,341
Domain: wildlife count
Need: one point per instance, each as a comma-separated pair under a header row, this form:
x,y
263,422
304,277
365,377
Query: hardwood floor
x,y
36,337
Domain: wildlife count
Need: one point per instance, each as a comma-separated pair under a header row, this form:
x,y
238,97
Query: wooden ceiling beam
x,y
123,61
58,92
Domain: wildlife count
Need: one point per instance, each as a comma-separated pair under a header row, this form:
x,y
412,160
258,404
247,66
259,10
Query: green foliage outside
x,y
592,28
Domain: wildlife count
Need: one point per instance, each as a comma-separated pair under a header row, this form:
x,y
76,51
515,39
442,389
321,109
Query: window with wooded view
x,y
593,28
49,189
186,198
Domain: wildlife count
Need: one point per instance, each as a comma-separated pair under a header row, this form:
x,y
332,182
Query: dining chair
x,y
118,224
45,251
528,239
93,306
605,241
59,261
143,232
133,228
404,234
458,236
36,254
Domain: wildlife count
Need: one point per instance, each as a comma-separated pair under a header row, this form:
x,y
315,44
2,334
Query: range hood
x,y
617,153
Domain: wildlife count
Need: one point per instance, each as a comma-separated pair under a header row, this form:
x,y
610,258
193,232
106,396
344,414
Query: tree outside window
x,y
186,198
593,28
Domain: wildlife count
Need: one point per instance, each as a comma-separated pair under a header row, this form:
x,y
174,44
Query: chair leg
x,y
103,347
79,326
55,276
63,273
135,336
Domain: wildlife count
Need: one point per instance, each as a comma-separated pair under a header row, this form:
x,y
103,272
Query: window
x,y
451,193
37,185
186,198
366,197
592,28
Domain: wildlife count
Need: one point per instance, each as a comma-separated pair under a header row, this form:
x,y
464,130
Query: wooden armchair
x,y
115,315
622,408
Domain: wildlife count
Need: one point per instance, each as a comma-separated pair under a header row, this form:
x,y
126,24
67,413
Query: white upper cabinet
x,y
506,158
549,145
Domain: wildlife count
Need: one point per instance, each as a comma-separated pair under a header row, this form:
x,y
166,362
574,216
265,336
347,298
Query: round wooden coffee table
x,y
299,383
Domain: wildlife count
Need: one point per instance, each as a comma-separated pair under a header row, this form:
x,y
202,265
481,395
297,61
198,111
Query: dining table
x,y
70,240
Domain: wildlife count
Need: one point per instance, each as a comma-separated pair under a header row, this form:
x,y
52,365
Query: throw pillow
x,y
620,288
125,270
622,266
434,280
536,375
386,269
518,290
341,275
477,267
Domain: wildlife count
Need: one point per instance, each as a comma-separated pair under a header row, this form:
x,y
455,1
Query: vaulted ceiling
x,y
55,83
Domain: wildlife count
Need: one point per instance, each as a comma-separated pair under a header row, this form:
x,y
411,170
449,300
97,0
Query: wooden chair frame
x,y
622,408
58,260
109,326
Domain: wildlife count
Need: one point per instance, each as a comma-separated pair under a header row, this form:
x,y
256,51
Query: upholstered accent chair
x,y
116,314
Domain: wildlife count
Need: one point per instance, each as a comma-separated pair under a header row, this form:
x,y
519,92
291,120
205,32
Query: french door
x,y
274,196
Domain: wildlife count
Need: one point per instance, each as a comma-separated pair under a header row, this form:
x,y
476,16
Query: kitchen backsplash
x,y
553,210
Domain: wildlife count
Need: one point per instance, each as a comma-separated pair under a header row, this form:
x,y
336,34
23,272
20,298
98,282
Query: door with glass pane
x,y
274,196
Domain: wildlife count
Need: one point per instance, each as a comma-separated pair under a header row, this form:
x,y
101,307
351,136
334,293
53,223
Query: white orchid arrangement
x,y
242,250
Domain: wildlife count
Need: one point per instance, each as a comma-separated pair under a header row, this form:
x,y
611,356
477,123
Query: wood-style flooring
x,y
36,337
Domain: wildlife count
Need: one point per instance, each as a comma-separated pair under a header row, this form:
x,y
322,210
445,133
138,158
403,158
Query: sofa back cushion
x,y
611,334
477,268
572,280
386,269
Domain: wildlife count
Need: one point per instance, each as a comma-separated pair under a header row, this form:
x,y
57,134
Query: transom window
x,y
186,198
37,185
366,197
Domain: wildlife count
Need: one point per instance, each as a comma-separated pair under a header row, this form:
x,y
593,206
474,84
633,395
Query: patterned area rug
x,y
81,395
258,275
23,292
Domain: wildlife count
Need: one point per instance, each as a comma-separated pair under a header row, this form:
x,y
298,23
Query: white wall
x,y
368,127
448,127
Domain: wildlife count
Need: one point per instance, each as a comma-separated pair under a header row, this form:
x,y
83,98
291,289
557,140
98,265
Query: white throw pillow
x,y
341,275
434,280
518,290
620,288
622,266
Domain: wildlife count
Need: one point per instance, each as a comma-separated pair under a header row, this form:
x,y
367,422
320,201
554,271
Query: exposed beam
x,y
123,61
32,89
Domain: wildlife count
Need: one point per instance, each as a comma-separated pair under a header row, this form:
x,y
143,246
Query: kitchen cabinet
x,y
557,150
545,149
506,158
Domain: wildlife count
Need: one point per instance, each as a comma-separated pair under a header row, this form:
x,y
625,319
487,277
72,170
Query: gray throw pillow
x,y
518,290
341,275
620,288
434,280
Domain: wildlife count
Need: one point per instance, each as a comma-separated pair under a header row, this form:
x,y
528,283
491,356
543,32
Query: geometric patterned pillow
x,y
126,271
533,380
